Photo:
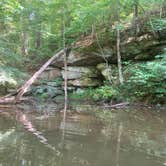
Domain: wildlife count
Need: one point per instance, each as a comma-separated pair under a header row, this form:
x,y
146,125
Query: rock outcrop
x,y
51,81
79,59
84,82
91,67
74,72
50,74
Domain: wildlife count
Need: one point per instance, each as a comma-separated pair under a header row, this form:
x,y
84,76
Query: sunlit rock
x,y
87,82
80,72
79,59
50,74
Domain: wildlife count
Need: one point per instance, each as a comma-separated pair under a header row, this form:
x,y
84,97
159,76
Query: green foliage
x,y
105,92
44,92
54,83
158,24
48,90
83,94
10,78
147,81
31,31
12,75
24,23
9,58
6,78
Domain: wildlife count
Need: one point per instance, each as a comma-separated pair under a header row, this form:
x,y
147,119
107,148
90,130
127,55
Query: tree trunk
x,y
38,34
25,87
63,26
24,40
38,39
119,58
136,25
118,46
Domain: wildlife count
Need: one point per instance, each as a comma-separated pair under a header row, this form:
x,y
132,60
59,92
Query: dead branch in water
x,y
120,105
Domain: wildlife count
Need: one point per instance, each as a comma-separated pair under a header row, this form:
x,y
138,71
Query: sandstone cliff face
x,y
90,67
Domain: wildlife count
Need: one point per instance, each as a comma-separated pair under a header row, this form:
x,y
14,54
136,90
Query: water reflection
x,y
126,139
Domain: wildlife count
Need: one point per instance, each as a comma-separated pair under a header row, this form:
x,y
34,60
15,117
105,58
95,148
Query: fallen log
x,y
25,87
21,91
7,100
120,105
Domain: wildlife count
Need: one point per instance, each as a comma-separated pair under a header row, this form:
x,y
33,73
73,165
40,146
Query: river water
x,y
112,138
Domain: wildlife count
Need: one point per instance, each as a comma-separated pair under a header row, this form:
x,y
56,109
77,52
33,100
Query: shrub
x,y
104,92
147,80
10,78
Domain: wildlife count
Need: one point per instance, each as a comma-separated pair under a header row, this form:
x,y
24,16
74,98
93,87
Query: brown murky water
x,y
126,138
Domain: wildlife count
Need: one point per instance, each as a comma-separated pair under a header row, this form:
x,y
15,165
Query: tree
x,y
135,19
118,45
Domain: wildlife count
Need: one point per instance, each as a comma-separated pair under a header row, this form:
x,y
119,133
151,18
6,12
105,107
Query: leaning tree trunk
x,y
25,87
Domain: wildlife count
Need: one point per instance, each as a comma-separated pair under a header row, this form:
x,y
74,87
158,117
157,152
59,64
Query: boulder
x,y
86,82
82,76
144,48
46,90
50,74
53,84
71,88
57,82
79,59
80,72
101,66
108,72
84,59
7,83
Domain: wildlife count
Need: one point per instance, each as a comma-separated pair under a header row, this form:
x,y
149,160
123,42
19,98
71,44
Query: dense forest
x,y
82,82
118,48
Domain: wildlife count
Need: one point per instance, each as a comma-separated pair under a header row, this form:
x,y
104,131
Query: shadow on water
x,y
113,138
